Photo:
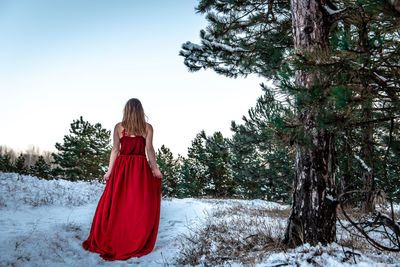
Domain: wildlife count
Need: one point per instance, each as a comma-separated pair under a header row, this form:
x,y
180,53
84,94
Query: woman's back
x,y
132,145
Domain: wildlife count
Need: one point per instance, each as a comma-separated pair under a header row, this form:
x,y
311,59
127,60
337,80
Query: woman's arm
x,y
114,152
151,153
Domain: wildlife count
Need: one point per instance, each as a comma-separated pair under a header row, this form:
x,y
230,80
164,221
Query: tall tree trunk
x,y
367,155
346,183
367,146
313,212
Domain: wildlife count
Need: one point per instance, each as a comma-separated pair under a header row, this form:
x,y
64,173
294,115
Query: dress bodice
x,y
132,145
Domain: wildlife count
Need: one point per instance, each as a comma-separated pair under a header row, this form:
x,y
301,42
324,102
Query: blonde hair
x,y
134,120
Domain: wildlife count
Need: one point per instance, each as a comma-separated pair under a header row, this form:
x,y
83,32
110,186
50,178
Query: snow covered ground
x,y
43,223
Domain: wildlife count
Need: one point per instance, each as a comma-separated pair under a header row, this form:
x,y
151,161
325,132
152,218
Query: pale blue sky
x,y
66,58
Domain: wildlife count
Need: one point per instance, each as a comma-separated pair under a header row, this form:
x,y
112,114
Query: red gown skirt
x,y
126,219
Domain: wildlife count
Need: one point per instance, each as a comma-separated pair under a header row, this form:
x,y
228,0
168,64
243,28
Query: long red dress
x,y
125,223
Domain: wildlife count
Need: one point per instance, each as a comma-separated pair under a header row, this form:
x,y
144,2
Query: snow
x,y
362,163
223,46
381,77
331,255
331,198
43,223
24,190
331,11
191,46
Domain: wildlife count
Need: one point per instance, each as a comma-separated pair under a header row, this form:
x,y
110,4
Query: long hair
x,y
134,120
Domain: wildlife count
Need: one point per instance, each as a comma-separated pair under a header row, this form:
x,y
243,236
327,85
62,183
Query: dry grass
x,y
356,212
234,233
351,238
248,234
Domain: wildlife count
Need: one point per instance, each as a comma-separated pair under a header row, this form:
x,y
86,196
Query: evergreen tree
x,y
353,165
218,165
349,173
20,165
387,167
2,163
40,169
188,181
84,154
209,159
169,167
6,164
263,167
197,166
339,71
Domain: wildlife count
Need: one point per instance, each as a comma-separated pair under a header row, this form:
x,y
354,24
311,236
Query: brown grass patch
x,y
351,238
235,233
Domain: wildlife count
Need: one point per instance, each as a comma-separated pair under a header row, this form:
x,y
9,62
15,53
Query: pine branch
x,y
374,121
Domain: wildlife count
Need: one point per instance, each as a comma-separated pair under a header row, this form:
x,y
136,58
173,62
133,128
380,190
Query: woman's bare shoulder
x,y
149,130
149,127
118,125
119,128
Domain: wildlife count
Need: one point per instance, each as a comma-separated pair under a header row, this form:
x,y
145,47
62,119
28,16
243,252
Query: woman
x,y
125,223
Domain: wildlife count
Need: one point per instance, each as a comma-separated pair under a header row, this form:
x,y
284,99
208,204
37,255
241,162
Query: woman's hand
x,y
158,174
107,175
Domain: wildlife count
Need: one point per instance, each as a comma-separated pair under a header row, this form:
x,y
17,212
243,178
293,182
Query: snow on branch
x,y
381,77
191,46
363,163
335,15
223,46
331,11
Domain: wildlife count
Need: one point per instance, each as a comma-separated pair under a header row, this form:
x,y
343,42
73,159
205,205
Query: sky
x,y
60,60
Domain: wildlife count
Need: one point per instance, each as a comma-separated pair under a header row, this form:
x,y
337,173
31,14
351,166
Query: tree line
x,y
220,167
252,164
83,155
239,167
29,163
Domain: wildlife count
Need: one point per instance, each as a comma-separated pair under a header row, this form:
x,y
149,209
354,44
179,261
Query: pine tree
x,y
387,165
209,161
218,163
20,166
6,164
342,57
197,166
84,154
188,181
40,168
353,164
169,167
313,213
262,165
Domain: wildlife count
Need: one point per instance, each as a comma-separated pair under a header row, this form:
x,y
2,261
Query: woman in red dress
x,y
125,222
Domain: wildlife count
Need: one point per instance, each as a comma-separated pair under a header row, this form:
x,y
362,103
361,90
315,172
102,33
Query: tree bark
x,y
395,4
313,212
367,154
346,183
367,146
